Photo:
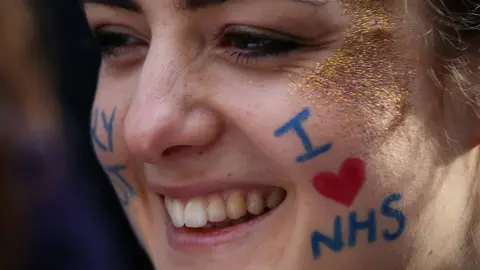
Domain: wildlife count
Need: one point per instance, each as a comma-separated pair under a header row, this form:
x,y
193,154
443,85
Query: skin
x,y
187,111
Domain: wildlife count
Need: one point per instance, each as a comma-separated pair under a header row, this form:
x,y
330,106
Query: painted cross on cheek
x,y
295,125
115,171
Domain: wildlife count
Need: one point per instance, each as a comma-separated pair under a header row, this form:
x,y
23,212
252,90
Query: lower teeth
x,y
229,223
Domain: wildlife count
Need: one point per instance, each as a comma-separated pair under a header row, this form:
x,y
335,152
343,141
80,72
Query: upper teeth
x,y
197,212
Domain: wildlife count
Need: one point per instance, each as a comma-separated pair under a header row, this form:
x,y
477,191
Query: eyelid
x,y
100,15
250,30
121,29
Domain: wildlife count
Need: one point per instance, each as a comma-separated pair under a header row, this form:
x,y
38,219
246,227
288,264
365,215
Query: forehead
x,y
324,8
134,5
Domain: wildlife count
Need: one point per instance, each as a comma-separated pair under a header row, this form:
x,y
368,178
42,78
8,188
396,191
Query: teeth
x,y
195,214
216,209
175,210
221,211
275,198
236,206
255,203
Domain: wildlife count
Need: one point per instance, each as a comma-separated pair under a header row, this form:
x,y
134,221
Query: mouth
x,y
219,217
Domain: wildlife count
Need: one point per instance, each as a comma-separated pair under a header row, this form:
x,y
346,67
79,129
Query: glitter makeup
x,y
369,77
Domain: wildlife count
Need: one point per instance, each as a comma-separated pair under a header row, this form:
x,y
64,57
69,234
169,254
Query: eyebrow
x,y
190,5
130,5
196,4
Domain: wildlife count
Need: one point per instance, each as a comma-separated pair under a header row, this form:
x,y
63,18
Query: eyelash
x,y
255,46
110,41
246,45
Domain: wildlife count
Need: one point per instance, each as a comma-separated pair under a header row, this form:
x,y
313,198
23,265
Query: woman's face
x,y
261,134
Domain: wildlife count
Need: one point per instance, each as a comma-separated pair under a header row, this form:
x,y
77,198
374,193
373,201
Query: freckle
x,y
430,253
229,175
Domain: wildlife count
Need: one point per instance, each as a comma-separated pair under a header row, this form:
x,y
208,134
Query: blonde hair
x,y
452,38
455,39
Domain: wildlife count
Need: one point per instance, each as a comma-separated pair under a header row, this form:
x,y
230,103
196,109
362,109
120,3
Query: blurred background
x,y
58,210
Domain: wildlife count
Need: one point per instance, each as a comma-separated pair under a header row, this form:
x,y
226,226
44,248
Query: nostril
x,y
184,150
175,150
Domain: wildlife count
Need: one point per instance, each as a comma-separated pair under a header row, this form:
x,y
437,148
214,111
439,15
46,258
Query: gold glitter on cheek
x,y
368,77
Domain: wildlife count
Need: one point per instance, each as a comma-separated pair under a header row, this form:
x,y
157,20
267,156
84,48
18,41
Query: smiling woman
x,y
286,134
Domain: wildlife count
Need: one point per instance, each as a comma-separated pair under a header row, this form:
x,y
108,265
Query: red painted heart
x,y
344,187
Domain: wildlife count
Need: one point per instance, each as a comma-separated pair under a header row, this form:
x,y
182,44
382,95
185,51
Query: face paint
x,y
344,186
356,225
295,125
368,81
369,76
115,171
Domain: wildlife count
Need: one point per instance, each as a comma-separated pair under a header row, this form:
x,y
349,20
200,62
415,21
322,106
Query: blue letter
x,y
295,124
107,125
122,183
388,211
335,244
93,132
355,225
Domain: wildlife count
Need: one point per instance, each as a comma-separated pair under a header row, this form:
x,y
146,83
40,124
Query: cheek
x,y
107,122
112,101
106,132
358,100
367,82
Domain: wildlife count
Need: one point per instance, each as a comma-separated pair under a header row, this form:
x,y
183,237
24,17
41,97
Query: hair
x,y
453,35
26,107
452,38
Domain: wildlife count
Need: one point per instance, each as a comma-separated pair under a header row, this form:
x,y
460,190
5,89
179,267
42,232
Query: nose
x,y
166,117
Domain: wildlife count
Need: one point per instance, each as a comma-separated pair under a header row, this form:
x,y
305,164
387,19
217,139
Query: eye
x,y
120,42
247,43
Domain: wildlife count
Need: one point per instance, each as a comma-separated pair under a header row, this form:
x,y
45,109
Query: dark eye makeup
x,y
250,43
243,43
114,41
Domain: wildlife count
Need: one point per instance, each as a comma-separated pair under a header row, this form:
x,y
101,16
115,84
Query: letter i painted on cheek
x,y
336,243
295,124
